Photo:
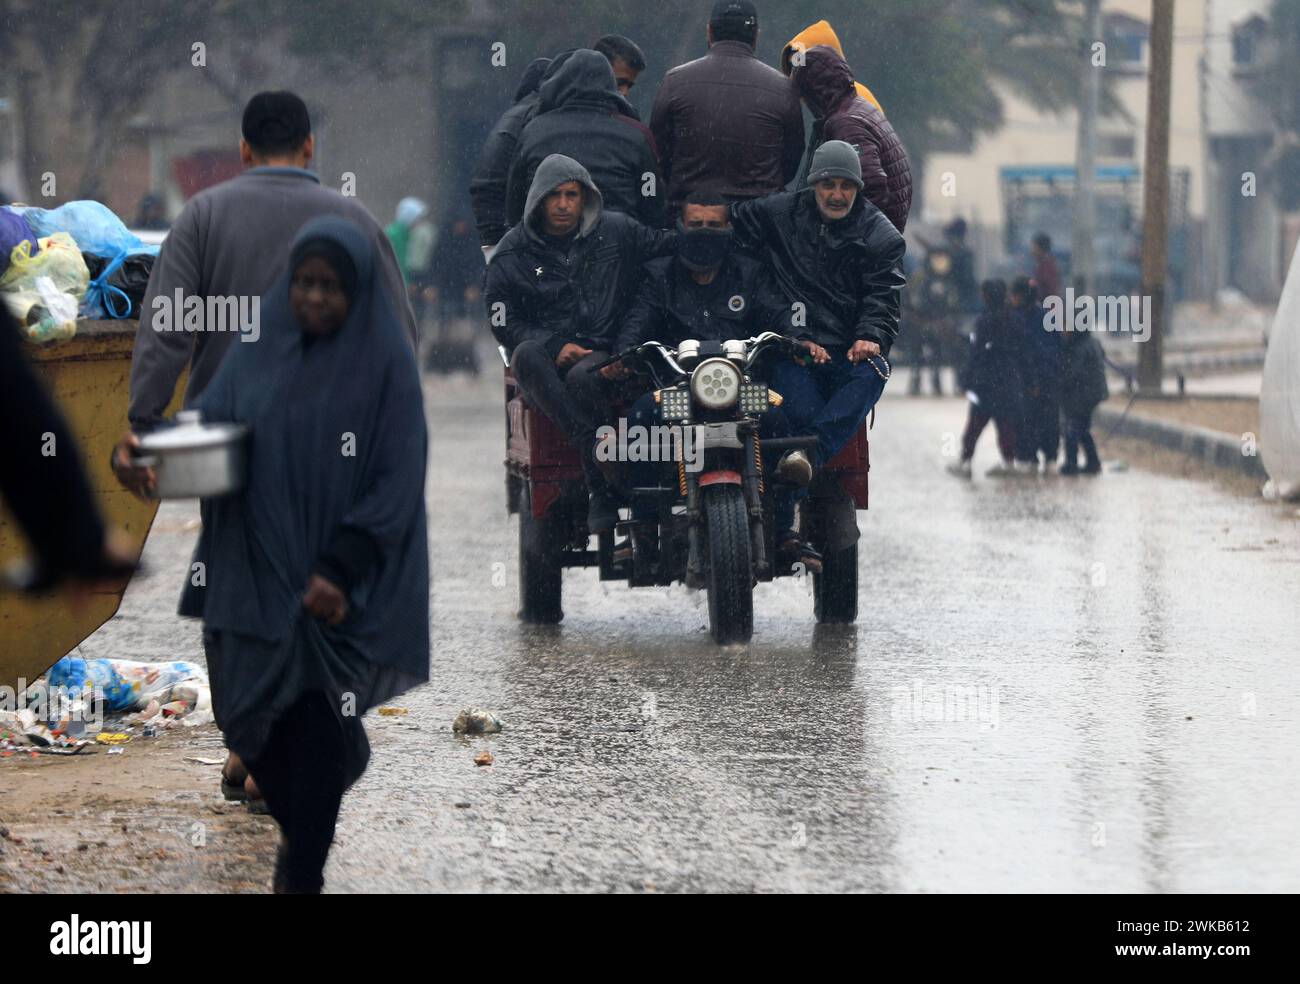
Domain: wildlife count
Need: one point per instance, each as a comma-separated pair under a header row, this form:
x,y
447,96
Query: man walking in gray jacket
x,y
230,242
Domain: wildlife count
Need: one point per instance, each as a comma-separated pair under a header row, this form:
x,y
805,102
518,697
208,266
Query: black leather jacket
x,y
840,281
727,123
581,115
671,306
574,290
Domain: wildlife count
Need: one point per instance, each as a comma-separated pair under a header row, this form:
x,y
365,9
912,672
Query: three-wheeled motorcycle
x,y
713,500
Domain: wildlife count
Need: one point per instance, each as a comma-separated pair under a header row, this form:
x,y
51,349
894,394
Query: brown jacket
x,y
826,85
727,123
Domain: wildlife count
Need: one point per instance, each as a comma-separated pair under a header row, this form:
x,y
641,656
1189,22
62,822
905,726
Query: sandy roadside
x,y
147,820
1235,417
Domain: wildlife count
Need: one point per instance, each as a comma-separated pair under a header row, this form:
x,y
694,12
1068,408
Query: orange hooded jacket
x,y
822,33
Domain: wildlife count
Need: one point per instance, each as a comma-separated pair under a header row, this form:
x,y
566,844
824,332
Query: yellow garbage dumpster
x,y
88,376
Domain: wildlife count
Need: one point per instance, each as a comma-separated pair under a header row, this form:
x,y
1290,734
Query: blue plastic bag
x,y
127,685
92,224
106,296
74,673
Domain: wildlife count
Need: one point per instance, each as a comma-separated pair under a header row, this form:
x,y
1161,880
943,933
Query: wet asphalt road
x,y
1058,685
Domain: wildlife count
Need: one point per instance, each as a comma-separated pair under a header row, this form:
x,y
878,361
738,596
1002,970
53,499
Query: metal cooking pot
x,y
195,460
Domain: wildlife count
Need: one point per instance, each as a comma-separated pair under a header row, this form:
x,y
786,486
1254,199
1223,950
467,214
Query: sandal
x,y
231,790
238,792
253,798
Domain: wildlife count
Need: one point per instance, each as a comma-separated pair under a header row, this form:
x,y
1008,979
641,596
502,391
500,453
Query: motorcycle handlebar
x,y
756,345
615,358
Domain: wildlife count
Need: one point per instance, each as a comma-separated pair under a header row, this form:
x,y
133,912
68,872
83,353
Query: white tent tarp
x,y
1279,398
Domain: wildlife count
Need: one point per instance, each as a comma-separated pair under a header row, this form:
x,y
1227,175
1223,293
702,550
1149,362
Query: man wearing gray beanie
x,y
837,261
835,159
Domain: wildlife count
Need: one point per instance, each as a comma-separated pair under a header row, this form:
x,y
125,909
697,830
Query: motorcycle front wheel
x,y
730,581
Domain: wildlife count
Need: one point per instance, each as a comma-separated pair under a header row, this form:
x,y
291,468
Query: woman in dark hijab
x,y
316,604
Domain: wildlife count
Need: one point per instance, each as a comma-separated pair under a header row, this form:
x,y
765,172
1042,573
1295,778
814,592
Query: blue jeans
x,y
829,402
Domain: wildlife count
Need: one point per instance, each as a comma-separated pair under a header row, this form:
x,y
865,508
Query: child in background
x,y
992,380
1040,424
1083,386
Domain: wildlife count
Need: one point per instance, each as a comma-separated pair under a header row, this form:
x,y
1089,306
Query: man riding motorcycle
x,y
555,290
706,291
837,261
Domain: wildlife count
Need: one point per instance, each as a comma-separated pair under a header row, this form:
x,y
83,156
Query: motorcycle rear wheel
x,y
541,574
835,589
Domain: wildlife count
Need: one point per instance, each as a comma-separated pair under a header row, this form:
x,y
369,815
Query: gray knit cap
x,y
835,159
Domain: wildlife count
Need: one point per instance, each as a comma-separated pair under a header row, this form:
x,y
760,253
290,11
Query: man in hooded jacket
x,y
556,289
581,115
487,188
810,37
825,83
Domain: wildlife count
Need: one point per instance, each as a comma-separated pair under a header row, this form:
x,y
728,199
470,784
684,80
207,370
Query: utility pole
x,y
1082,252
1155,195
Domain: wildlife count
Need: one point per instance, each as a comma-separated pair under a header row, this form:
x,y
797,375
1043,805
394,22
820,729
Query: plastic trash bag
x,y
60,261
14,229
129,685
58,258
61,307
1279,396
93,226
117,286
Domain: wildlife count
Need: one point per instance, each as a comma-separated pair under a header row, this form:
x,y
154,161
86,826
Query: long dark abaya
x,y
336,467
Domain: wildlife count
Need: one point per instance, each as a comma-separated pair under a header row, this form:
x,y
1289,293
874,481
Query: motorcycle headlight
x,y
715,384
674,405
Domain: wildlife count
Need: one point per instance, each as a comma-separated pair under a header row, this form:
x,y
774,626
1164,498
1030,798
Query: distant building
x,y
415,131
1251,247
1022,175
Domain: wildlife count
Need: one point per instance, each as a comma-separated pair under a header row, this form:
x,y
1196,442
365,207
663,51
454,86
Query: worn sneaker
x,y
959,468
795,468
602,513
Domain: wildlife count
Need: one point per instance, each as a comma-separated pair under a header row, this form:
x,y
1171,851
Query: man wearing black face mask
x,y
705,290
